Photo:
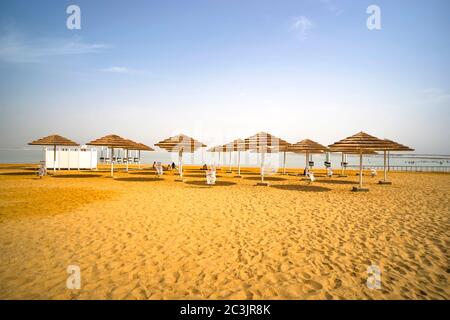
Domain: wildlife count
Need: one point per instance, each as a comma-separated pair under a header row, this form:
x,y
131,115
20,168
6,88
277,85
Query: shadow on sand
x,y
202,183
137,179
76,176
298,187
19,173
330,181
144,173
198,175
266,178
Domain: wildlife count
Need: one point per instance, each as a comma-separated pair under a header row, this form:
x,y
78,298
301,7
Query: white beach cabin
x,y
71,158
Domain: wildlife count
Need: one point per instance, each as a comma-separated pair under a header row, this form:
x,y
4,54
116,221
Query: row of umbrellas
x,y
263,143
360,143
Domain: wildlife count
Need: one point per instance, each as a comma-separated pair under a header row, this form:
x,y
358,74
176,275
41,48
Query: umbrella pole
x,y
54,159
180,165
284,162
112,162
389,160
127,160
139,162
385,169
229,169
342,163
306,163
262,167
360,168
239,163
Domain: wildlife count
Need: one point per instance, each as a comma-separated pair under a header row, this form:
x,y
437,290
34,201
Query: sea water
x,y
247,159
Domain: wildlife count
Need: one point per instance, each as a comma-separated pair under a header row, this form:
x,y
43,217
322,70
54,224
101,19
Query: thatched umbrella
x,y
352,152
265,143
285,149
54,140
180,143
307,147
217,149
360,143
112,141
237,145
138,147
394,146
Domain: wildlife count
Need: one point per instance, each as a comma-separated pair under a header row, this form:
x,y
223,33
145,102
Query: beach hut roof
x,y
181,143
113,141
53,140
263,139
395,146
307,145
358,142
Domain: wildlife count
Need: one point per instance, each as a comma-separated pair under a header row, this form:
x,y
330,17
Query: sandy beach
x,y
140,237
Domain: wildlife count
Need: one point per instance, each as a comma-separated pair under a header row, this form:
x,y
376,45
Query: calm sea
x,y
34,155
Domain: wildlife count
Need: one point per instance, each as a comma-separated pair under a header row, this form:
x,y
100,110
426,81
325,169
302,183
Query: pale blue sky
x,y
223,69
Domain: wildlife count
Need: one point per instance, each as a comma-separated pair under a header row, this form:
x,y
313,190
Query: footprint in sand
x,y
312,285
337,283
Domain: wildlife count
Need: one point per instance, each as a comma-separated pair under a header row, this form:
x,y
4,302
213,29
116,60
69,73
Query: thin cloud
x,y
122,70
116,70
434,96
16,48
331,6
302,26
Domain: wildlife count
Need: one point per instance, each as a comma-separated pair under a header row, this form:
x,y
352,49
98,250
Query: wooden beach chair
x,y
159,169
211,176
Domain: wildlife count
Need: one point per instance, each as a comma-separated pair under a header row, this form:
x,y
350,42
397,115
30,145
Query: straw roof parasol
x,y
263,139
360,142
53,140
180,143
308,146
237,145
138,147
112,141
393,146
217,149
263,143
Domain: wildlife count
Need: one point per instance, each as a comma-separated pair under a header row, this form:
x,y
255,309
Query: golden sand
x,y
139,237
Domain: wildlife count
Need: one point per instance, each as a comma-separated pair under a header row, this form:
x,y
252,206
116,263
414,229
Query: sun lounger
x,y
373,172
211,176
329,172
159,169
42,171
310,176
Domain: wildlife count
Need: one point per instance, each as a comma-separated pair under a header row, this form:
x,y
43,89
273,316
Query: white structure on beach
x,y
71,158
